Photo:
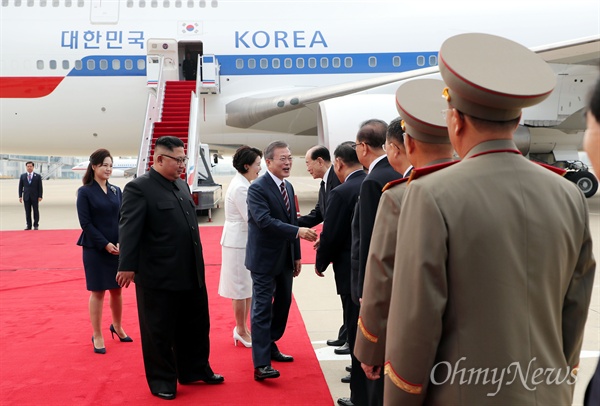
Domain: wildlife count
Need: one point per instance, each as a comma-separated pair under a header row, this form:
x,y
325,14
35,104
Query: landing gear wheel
x,y
585,181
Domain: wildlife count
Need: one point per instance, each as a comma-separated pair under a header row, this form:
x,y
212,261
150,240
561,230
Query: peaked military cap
x,y
420,107
491,77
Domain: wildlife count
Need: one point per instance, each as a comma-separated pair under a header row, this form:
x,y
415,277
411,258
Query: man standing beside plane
x,y
369,148
30,194
494,266
160,245
273,257
318,164
428,148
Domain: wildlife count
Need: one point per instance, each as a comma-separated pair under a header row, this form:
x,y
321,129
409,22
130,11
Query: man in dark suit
x,y
160,246
318,164
272,256
30,194
336,238
369,149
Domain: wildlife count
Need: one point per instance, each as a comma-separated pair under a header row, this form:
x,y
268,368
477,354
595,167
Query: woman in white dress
x,y
235,282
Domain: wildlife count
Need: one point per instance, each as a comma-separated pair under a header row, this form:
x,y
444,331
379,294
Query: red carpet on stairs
x,y
46,353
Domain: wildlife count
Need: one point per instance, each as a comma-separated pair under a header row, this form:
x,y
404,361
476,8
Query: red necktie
x,y
285,197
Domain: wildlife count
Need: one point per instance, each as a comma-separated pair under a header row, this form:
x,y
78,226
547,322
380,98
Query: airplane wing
x,y
583,51
246,112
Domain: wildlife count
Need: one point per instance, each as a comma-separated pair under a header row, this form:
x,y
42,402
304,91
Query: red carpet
x,y
45,337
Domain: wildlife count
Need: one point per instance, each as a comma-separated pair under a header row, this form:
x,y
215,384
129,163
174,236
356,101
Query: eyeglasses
x,y
285,158
180,161
356,144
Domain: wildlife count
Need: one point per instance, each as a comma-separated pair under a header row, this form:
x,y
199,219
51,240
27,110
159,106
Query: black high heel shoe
x,y
98,350
127,339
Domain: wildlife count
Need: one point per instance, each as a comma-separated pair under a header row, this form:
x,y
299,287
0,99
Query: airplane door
x,y
167,48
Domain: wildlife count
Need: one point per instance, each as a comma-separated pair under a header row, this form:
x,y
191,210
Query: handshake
x,y
307,234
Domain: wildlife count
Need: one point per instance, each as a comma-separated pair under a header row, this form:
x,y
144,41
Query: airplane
x,y
122,167
76,75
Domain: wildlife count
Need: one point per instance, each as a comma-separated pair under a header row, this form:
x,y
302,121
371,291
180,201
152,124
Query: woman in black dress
x,y
98,205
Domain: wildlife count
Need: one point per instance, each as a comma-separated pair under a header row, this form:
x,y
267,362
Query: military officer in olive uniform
x,y
428,149
494,266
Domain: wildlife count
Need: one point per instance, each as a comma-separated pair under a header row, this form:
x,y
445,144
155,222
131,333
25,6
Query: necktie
x,y
29,178
286,199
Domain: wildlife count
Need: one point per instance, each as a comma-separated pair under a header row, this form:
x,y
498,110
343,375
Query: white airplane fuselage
x,y
75,80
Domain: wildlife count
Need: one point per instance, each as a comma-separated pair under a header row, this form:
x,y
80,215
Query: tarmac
x,y
316,298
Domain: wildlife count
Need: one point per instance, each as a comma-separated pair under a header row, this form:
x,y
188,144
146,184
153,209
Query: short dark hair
x,y
270,150
594,103
245,155
346,152
319,151
372,132
169,142
97,158
29,162
395,131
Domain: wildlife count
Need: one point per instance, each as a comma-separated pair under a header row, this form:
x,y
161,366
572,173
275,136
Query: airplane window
x,y
68,3
52,64
251,63
178,4
190,3
103,64
347,62
17,3
65,64
372,61
420,60
141,64
214,3
299,63
336,62
116,64
78,64
264,63
396,61
432,60
129,3
80,3
287,62
154,4
202,3
91,64
312,63
43,3
166,4
40,64
142,3
55,3
128,64
276,63
239,63
29,3
324,63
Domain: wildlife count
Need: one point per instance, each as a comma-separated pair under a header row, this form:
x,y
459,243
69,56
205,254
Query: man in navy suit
x,y
30,193
272,256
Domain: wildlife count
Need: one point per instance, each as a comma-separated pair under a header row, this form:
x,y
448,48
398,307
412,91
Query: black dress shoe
x,y
165,395
211,380
280,357
346,379
345,402
214,379
343,350
265,372
336,343
349,368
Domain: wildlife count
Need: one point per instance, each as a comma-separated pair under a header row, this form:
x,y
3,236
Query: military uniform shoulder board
x,y
394,183
554,169
426,170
